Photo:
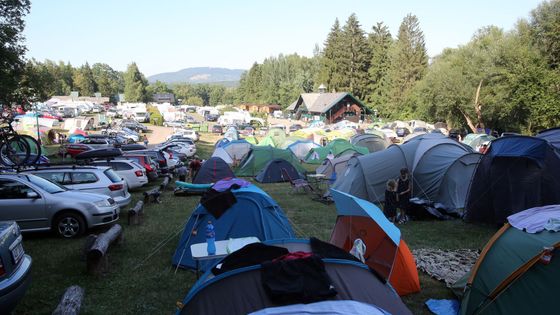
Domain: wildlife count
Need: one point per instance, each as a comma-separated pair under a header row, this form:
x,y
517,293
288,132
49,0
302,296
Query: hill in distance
x,y
223,76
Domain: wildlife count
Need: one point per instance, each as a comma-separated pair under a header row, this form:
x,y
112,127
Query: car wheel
x,y
112,134
69,225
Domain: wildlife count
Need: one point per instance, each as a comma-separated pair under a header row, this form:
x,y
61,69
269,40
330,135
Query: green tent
x,y
338,147
259,156
275,138
252,140
510,276
267,141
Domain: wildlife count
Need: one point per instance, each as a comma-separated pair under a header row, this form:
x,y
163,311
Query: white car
x,y
174,124
187,133
171,161
180,147
133,174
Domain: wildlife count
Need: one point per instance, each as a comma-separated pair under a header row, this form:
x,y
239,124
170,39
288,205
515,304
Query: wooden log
x,y
71,301
87,245
153,194
136,214
97,261
164,184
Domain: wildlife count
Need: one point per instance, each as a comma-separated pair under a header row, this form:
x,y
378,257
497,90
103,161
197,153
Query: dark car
x,y
134,125
295,127
217,129
402,132
212,117
15,271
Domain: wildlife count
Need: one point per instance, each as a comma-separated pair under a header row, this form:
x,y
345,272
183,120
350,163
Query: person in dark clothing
x,y
391,200
182,172
194,166
404,191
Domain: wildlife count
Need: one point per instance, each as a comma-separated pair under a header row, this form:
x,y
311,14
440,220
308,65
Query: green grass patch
x,y
141,279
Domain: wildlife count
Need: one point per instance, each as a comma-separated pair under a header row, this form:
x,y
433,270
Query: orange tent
x,y
404,277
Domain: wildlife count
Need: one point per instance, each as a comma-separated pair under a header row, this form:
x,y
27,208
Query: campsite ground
x,y
141,279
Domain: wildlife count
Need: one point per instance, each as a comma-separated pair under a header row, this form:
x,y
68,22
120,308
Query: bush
x,y
155,117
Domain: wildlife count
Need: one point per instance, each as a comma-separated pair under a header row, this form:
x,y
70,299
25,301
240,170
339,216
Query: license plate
x,y
17,252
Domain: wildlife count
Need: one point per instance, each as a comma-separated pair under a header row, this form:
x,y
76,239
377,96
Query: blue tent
x,y
551,135
278,171
254,214
516,173
222,142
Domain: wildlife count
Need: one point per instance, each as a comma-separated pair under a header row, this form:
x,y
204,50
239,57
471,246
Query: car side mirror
x,y
32,195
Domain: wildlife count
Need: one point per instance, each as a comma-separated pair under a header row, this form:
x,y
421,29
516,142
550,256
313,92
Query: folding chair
x,y
298,183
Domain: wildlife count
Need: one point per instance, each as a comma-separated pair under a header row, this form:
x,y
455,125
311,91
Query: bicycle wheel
x,y
34,149
14,152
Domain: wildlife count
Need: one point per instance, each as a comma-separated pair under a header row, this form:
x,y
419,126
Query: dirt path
x,y
158,134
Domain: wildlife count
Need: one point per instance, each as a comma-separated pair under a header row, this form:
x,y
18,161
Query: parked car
x,y
37,204
174,123
134,125
190,119
15,266
98,180
217,129
74,149
402,132
156,155
212,117
180,147
248,131
149,165
295,127
133,174
97,143
185,133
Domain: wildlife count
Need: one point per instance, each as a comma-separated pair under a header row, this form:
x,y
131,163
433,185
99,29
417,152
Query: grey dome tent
x,y
337,165
516,173
212,171
277,171
372,142
242,290
454,186
427,157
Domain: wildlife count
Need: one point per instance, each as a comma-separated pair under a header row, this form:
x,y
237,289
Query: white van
x,y
277,114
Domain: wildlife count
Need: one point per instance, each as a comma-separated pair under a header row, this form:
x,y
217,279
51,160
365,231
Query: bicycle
x,y
15,149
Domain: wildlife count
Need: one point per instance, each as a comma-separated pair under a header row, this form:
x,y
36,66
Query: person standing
x,y
404,191
391,201
194,166
146,141
182,172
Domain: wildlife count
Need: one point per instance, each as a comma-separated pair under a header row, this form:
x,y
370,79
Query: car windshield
x,y
46,185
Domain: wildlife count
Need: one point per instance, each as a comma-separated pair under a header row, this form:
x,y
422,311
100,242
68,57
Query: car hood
x,y
82,196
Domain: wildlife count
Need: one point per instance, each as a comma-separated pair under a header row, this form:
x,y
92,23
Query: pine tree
x,y
380,42
410,59
329,74
353,68
84,81
134,84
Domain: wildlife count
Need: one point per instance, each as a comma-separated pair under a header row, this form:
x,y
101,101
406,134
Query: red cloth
x,y
294,255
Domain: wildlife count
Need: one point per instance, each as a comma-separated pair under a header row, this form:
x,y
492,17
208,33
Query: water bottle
x,y
210,239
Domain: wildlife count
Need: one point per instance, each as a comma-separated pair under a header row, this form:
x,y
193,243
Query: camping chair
x,y
298,183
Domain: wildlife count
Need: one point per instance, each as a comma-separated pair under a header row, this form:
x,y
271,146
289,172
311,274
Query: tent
x,y
277,171
516,173
302,147
372,142
222,154
337,165
455,183
237,149
222,142
251,139
358,218
344,133
512,275
258,157
427,157
231,134
275,138
475,140
212,171
352,280
267,141
254,213
337,147
551,135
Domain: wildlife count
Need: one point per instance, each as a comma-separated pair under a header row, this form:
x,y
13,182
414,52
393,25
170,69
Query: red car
x,y
75,148
146,162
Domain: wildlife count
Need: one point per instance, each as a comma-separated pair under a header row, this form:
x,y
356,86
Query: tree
x,y
12,49
135,84
109,82
353,69
158,88
409,61
194,100
332,55
545,24
380,42
84,81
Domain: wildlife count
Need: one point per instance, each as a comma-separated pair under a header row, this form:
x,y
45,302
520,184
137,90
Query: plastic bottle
x,y
210,239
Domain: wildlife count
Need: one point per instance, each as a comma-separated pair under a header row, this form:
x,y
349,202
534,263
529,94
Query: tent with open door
x,y
386,253
213,170
516,173
277,171
237,149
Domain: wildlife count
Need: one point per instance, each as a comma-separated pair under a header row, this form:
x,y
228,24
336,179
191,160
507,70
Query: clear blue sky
x,y
169,35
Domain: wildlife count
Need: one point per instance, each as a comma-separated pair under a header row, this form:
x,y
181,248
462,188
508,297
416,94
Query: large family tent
x,y
427,157
258,157
372,142
242,290
277,171
386,252
551,135
516,273
212,171
238,149
337,166
475,140
516,173
337,147
222,154
454,186
300,148
254,213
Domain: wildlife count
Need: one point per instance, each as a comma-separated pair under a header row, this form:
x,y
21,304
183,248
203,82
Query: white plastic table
x,y
199,251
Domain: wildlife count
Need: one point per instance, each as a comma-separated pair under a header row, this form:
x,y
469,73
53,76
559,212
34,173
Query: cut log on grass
x,y
97,258
136,214
87,245
71,301
153,195
164,183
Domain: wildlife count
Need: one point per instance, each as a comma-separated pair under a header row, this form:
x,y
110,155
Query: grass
x,y
141,279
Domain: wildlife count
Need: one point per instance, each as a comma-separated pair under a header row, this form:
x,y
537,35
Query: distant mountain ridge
x,y
198,75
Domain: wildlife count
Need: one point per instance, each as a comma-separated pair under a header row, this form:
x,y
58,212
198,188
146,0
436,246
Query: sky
x,y
169,35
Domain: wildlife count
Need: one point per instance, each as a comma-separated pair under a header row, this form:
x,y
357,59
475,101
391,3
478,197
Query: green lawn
x,y
141,279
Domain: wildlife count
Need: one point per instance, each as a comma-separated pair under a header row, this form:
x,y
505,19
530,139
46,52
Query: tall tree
x,y
109,82
545,22
380,42
84,81
353,69
12,49
410,59
331,56
135,84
